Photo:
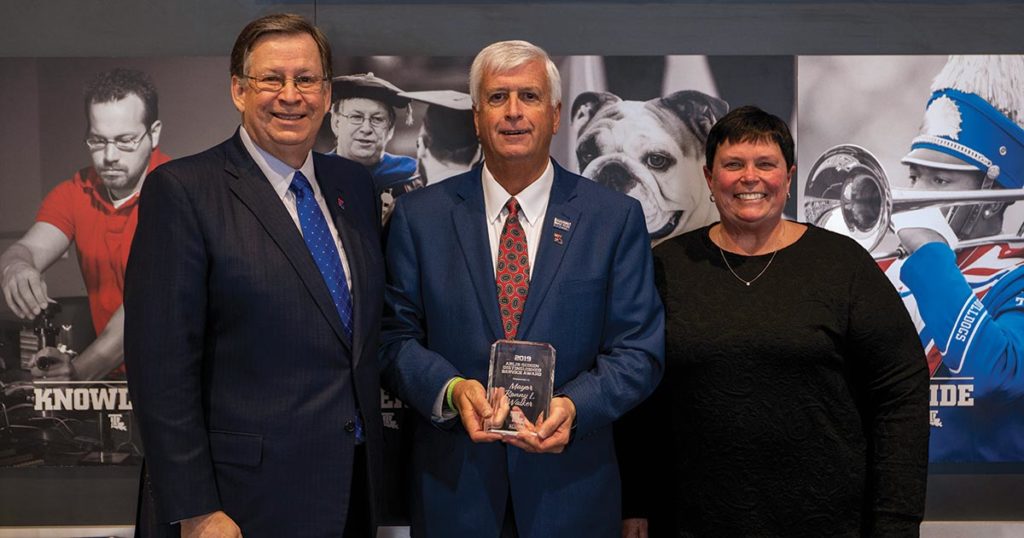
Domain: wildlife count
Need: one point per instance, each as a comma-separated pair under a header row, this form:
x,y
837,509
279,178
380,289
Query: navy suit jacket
x,y
243,383
591,296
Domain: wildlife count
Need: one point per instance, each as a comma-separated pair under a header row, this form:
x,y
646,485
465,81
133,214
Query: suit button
x,y
350,426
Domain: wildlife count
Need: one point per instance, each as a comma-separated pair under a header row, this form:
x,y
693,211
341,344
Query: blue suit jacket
x,y
241,379
592,296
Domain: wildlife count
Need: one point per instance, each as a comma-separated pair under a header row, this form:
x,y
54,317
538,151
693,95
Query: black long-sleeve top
x,y
795,406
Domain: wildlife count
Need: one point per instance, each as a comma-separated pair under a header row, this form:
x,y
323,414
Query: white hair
x,y
504,56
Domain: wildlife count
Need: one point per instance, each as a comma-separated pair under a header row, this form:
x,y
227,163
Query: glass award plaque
x,y
519,384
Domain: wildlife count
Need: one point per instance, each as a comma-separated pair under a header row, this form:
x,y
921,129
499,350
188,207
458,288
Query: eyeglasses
x,y
276,83
123,143
376,121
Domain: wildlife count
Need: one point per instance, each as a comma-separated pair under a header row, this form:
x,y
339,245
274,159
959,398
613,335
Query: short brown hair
x,y
119,83
283,23
749,124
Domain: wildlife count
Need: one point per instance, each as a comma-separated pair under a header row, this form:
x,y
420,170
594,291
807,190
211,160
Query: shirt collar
x,y
533,200
118,202
278,173
92,183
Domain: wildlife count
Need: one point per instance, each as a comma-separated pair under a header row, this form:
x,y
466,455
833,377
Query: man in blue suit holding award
x,y
252,307
582,255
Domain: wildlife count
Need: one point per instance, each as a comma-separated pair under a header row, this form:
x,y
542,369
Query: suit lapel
x,y
554,242
470,223
351,241
254,190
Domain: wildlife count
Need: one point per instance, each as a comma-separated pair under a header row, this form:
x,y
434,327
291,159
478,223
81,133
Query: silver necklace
x,y
738,277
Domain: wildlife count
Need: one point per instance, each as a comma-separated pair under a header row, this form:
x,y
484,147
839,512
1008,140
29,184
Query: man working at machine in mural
x,y
97,210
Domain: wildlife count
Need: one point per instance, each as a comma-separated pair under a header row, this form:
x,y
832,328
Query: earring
x,y
712,198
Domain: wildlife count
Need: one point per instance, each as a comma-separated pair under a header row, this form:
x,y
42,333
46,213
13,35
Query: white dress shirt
x,y
280,176
533,205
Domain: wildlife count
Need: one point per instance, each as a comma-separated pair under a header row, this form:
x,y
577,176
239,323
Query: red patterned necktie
x,y
513,270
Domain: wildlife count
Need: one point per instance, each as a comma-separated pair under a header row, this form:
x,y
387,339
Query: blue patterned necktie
x,y
321,245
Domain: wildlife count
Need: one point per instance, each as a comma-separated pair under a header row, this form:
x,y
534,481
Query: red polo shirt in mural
x,y
81,208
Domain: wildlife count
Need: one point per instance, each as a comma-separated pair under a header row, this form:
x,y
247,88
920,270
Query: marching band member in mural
x,y
969,302
97,210
363,118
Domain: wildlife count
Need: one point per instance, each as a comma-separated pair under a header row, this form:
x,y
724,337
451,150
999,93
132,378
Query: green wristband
x,y
450,390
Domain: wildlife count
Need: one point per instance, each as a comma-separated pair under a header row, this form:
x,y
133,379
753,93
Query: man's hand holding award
x,y
520,383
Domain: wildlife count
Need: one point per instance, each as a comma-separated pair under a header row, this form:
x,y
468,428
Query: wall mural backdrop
x,y
879,138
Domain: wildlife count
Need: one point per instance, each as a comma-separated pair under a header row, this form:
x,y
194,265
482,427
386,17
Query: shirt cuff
x,y
441,412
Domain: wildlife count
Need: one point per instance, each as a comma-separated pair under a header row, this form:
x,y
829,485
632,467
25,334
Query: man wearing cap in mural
x,y
363,119
968,300
97,210
447,144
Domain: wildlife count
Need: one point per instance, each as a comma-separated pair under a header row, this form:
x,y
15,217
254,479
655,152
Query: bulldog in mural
x,y
653,151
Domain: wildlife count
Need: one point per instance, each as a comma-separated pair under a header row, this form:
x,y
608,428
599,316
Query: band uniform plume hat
x,y
973,119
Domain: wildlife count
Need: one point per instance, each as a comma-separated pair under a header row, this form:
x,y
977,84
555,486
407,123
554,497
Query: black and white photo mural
x,y
921,160
81,134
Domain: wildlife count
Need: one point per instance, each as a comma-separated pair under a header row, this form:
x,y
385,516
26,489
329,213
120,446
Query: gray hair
x,y
505,56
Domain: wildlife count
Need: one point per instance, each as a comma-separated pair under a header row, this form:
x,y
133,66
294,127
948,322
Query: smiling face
x,y
121,170
515,119
363,143
283,123
749,181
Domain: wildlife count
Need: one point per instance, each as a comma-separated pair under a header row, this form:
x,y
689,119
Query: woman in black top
x,y
795,395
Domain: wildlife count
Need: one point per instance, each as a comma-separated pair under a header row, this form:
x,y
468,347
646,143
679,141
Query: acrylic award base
x,y
520,380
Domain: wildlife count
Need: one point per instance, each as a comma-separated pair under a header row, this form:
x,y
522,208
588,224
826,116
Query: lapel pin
x,y
562,224
558,238
341,203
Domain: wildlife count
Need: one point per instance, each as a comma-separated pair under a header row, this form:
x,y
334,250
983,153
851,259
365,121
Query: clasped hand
x,y
213,525
549,435
915,238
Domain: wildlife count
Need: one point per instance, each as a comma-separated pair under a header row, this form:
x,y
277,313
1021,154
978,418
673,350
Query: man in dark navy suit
x,y
252,307
582,257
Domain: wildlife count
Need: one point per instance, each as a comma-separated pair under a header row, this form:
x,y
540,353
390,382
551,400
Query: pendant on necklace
x,y
738,277
731,270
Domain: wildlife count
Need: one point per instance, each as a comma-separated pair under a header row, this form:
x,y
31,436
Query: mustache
x,y
106,169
